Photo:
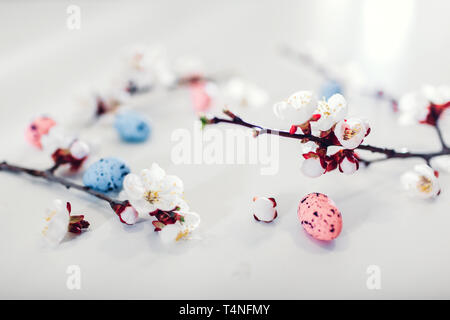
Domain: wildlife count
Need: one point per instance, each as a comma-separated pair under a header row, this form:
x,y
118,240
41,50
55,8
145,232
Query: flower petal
x,y
133,186
312,168
348,167
172,184
191,221
167,201
129,215
142,206
57,223
264,209
152,177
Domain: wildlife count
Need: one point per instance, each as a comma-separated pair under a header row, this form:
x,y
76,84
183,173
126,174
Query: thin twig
x,y
50,176
389,153
441,138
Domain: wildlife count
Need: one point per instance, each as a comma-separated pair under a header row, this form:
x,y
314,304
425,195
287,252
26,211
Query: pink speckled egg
x,y
37,129
320,217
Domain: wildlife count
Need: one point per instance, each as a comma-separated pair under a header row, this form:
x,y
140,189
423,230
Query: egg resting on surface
x,y
105,175
320,217
132,127
329,89
39,127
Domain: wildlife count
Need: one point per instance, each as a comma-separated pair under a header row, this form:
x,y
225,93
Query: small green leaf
x,y
204,120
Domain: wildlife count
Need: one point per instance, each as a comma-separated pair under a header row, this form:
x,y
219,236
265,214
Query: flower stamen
x,y
152,196
182,234
424,185
351,132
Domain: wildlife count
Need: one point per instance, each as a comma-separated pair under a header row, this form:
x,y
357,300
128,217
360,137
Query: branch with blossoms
x,y
159,196
423,106
144,68
163,201
322,124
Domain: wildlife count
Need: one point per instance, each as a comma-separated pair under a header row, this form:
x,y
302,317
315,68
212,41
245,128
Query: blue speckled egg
x,y
132,127
329,88
106,174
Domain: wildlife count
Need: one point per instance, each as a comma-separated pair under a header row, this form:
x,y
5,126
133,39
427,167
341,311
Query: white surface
x,y
43,65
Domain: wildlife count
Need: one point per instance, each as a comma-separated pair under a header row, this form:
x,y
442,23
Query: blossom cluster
x,y
65,149
422,182
152,193
59,221
424,106
327,120
156,194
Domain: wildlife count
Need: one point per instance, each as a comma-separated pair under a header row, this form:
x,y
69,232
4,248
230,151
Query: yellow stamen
x,y
424,185
152,196
350,133
50,215
182,234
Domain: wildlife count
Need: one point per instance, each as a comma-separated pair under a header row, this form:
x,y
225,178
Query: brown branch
x,y
389,153
441,138
51,177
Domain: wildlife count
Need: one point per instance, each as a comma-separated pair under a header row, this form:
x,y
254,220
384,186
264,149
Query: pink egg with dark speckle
x,y
320,217
37,129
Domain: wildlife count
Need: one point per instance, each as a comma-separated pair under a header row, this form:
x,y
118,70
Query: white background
x,y
43,65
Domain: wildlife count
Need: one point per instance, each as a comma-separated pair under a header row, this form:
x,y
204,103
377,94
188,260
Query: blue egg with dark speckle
x,y
106,174
330,88
132,127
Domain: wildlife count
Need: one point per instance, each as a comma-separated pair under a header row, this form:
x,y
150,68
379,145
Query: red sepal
x,y
273,201
63,156
165,217
310,155
118,208
266,221
434,112
77,222
293,129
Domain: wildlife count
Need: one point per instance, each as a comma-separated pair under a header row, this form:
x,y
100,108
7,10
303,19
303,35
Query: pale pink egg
x,y
320,217
39,127
201,100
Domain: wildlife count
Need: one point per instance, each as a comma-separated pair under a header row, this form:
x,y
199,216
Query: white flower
x,y
57,138
153,190
129,215
181,229
59,222
347,166
421,182
312,167
351,132
437,95
56,223
245,93
413,106
307,147
442,163
79,149
331,111
298,108
150,63
264,209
